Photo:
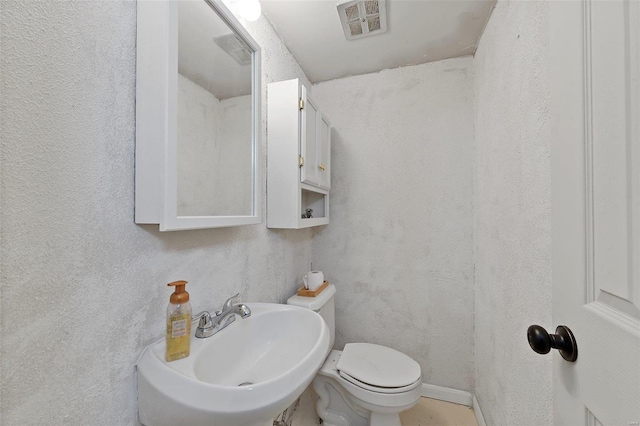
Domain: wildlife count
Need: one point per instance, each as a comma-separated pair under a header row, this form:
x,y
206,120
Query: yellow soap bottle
x,y
178,323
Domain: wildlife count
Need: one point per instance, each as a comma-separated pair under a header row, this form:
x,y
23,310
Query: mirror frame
x,y
156,190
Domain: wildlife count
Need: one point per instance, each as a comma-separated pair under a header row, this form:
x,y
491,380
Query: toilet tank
x,y
322,304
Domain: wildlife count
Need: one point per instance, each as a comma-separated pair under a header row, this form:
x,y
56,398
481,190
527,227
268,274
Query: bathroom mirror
x,y
197,117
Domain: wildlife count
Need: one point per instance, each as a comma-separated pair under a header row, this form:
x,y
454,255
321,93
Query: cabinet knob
x,y
322,167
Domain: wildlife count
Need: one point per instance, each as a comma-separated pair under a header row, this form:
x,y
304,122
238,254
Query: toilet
x,y
364,384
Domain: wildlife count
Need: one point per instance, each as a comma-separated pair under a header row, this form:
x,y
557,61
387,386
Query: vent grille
x,y
235,47
363,18
371,7
352,13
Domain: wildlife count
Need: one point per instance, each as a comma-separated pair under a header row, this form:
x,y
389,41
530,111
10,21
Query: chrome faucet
x,y
210,325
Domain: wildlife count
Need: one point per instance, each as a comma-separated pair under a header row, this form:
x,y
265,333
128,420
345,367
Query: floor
x,y
427,412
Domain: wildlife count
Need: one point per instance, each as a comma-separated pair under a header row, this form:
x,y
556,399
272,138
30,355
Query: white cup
x,y
313,280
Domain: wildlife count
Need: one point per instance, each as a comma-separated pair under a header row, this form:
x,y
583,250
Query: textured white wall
x,y
199,145
214,153
512,214
83,287
399,247
235,136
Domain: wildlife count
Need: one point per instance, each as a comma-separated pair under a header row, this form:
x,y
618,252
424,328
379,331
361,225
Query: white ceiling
x,y
418,31
201,60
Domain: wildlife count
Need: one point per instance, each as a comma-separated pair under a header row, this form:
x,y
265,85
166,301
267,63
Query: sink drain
x,y
245,384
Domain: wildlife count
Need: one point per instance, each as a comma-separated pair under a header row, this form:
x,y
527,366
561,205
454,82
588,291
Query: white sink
x,y
242,376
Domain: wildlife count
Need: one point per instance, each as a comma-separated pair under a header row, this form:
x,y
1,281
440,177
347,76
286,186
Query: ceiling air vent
x,y
363,18
235,47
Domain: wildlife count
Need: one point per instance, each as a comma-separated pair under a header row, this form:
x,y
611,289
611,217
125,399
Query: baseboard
x,y
447,394
456,396
478,412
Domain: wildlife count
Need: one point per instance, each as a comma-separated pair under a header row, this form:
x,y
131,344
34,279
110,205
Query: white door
x,y
595,157
309,172
324,152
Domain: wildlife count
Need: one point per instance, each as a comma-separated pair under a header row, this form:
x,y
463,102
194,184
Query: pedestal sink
x,y
242,376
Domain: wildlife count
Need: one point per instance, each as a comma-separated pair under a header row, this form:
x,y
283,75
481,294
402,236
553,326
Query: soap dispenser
x,y
178,323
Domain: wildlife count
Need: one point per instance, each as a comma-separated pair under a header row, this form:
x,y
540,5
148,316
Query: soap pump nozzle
x,y
180,295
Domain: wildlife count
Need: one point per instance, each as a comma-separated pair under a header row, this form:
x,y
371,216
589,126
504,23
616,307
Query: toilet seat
x,y
378,389
378,368
332,388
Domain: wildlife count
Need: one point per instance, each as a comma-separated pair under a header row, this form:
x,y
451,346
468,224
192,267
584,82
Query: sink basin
x,y
242,376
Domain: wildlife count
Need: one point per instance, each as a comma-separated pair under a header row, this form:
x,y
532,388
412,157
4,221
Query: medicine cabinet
x,y
197,117
299,158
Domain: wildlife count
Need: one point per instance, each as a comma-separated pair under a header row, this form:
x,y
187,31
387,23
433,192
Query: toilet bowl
x,y
364,384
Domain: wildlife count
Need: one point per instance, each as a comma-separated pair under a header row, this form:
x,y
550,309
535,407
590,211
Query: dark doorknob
x,y
542,342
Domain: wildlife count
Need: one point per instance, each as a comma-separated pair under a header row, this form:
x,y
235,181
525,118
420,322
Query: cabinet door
x,y
324,152
308,135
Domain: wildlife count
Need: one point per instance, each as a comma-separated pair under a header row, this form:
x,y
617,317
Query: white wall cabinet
x,y
299,158
178,184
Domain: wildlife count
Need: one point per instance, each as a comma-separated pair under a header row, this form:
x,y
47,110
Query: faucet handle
x,y
199,315
229,302
205,327
205,321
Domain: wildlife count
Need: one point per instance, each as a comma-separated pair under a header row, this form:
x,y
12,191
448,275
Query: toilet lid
x,y
378,366
379,389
